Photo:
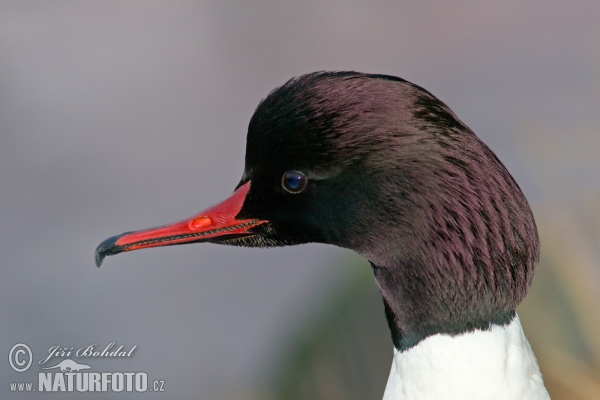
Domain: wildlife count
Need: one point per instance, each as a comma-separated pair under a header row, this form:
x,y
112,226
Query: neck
x,y
483,364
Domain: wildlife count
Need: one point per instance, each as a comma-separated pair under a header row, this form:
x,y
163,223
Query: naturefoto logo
x,y
69,366
59,372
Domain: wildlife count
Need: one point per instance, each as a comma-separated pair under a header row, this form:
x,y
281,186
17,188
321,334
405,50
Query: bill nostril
x,y
200,222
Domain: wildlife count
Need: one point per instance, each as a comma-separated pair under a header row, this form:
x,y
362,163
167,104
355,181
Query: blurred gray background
x,y
121,115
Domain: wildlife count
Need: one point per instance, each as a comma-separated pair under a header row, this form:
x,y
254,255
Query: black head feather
x,y
396,176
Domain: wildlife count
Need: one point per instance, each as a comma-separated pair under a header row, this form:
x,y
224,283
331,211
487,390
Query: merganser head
x,y
379,165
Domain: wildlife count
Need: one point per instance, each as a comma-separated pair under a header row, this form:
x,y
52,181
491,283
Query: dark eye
x,y
294,181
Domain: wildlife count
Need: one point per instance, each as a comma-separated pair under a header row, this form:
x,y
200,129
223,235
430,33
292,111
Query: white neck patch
x,y
495,364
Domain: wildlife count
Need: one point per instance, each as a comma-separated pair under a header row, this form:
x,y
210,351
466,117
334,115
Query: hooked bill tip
x,y
99,258
108,247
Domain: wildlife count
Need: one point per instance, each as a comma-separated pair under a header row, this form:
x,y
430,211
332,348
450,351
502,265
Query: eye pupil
x,y
294,181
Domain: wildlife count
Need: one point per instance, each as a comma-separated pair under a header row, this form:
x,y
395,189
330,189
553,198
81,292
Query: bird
x,y
379,165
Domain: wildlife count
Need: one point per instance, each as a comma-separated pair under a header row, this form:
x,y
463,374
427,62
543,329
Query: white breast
x,y
481,365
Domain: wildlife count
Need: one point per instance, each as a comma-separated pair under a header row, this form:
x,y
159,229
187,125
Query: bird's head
x,y
376,164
